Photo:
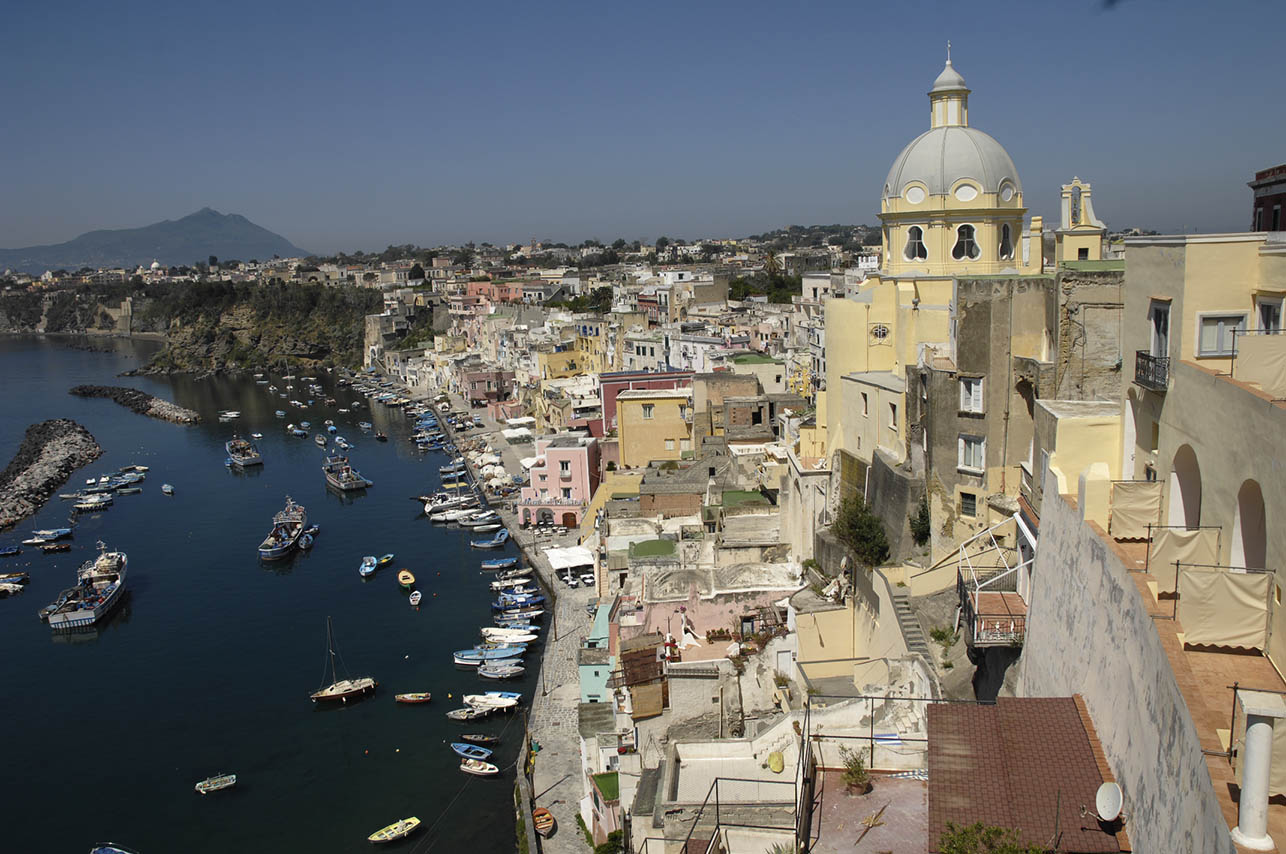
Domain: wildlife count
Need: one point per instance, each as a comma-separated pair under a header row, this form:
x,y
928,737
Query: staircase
x,y
916,642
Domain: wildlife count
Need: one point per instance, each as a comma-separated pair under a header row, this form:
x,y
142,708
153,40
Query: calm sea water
x,y
207,666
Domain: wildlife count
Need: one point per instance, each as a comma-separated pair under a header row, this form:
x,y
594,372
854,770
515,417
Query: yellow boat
x,y
397,830
405,578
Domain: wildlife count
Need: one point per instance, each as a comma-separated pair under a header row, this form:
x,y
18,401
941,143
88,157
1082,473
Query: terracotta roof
x,y
1024,763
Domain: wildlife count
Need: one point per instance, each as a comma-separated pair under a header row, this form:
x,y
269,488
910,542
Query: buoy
x,y
448,696
366,751
398,750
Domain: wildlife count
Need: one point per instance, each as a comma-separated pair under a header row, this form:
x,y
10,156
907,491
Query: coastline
x,y
49,453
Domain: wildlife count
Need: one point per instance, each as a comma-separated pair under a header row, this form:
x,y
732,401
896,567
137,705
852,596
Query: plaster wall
x,y
1089,633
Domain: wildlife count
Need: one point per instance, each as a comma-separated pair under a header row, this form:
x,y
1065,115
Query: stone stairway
x,y
916,642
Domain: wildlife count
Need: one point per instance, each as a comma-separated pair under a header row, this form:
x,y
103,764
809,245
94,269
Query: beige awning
x,y
646,700
1220,607
1187,547
1135,505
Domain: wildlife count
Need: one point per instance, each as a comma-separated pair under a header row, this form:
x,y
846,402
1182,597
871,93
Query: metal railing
x,y
1152,372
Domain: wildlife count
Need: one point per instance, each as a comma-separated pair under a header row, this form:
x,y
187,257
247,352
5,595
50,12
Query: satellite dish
x,y
1108,802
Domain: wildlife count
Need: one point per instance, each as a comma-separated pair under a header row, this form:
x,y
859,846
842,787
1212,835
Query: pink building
x,y
561,481
486,386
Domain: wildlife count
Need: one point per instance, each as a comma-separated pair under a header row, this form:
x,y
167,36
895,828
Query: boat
x,y
399,829
52,533
405,578
475,657
287,527
478,738
385,560
100,586
312,530
10,551
420,697
341,689
502,635
493,699
305,424
53,548
243,453
543,820
305,541
93,503
380,437
480,519
129,490
14,578
320,440
214,784
167,489
256,436
500,563
367,567
111,848
501,537
364,425
523,614
501,671
478,767
522,584
468,713
331,428
487,528
34,541
415,598
341,475
280,413
471,751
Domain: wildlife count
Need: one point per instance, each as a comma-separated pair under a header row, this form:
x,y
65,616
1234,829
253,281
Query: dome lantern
x,y
949,98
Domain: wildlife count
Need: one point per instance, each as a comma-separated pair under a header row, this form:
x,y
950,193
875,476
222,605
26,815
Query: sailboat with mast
x,y
340,689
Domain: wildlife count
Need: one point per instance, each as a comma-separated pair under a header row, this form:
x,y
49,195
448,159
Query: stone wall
x,y
1089,362
1088,633
892,493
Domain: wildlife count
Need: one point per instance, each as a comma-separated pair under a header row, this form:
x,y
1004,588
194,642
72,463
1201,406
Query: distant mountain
x,y
173,242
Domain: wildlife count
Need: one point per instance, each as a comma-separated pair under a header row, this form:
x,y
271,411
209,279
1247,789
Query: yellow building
x,y
556,364
654,424
1080,235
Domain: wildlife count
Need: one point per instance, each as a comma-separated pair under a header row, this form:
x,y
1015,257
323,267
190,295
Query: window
x,y
973,453
1083,254
968,504
1277,218
893,417
971,394
1254,226
669,444
1215,336
1159,314
1006,243
866,406
1270,315
648,409
567,492
966,246
915,244
565,466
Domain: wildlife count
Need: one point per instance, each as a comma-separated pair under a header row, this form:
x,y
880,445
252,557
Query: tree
x,y
614,845
862,531
417,272
618,244
214,261
464,257
978,838
662,242
920,527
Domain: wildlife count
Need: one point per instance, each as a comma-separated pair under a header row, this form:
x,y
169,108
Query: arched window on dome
x,y
1006,243
915,250
966,244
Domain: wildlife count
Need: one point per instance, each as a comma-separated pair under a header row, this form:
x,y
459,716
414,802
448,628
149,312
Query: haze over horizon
x,y
347,128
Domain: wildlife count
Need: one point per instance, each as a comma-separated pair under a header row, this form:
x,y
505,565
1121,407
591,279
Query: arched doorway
x,y
1249,528
569,520
1185,489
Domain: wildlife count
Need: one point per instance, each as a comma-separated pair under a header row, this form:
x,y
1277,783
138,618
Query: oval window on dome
x,y
1007,193
966,193
914,195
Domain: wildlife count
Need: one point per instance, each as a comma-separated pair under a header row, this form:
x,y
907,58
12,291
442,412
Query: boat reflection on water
x,y
92,634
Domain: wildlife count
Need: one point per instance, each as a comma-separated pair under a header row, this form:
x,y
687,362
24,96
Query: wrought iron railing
x,y
1151,371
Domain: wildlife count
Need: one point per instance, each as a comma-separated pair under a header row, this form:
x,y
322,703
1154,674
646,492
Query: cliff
x,y
49,453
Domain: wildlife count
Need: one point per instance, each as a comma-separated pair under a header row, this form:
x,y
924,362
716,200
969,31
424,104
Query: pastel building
x,y
655,424
562,478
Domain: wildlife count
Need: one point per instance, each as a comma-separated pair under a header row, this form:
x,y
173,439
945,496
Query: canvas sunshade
x,y
1221,608
1190,547
1277,774
1135,505
1262,359
647,700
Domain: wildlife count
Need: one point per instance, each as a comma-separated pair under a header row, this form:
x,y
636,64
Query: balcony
x,y
565,475
1151,372
549,501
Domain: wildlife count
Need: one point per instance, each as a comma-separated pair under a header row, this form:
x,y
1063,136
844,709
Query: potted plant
x,y
856,778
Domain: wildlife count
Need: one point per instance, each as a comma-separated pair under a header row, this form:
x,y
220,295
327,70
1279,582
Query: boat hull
x,y
345,690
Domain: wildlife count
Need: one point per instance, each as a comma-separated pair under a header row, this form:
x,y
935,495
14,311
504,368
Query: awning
x,y
516,433
567,558
524,421
528,462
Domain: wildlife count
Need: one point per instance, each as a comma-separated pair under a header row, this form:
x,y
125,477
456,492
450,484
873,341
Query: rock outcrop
x,y
140,402
49,453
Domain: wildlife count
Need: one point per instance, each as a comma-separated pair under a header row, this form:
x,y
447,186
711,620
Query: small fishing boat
x,y
415,598
331,428
385,560
380,437
320,440
280,413
129,490
501,537
111,848
287,528
312,530
341,689
167,489
14,578
305,541
493,700
367,567
34,541
478,738
405,578
399,829
10,551
364,425
52,533
501,671
420,697
478,657
543,820
468,713
478,767
93,503
305,424
479,519
487,527
500,563
214,784
508,635
256,436
52,548
470,751
243,453
341,475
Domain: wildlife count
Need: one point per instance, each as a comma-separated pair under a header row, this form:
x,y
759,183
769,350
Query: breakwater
x,y
49,453
140,402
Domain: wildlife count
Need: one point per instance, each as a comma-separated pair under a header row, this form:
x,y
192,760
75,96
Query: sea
x,y
207,666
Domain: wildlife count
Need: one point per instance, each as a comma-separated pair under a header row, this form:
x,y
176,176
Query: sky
x,y
347,126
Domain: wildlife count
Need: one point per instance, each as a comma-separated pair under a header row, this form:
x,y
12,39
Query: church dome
x,y
942,156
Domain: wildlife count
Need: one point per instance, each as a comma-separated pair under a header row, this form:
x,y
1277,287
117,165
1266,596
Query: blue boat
x,y
500,563
501,537
280,413
10,551
368,567
470,751
474,657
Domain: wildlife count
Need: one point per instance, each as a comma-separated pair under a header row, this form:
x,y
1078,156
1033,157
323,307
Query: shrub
x,y
920,523
862,531
978,838
856,777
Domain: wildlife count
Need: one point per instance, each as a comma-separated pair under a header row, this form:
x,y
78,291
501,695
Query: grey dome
x,y
948,81
942,156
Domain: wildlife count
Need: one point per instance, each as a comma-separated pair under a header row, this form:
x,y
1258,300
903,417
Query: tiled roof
x,y
1024,763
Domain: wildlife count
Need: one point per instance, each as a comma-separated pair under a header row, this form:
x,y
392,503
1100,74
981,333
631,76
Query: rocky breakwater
x,y
49,453
140,402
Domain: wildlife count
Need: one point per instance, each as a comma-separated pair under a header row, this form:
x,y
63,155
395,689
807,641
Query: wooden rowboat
x,y
405,578
399,829
421,697
543,820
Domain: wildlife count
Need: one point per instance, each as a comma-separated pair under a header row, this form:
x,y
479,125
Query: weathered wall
x,y
1089,634
892,493
1089,359
670,504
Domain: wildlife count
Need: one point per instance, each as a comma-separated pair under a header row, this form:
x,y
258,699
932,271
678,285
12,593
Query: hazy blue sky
x,y
354,125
